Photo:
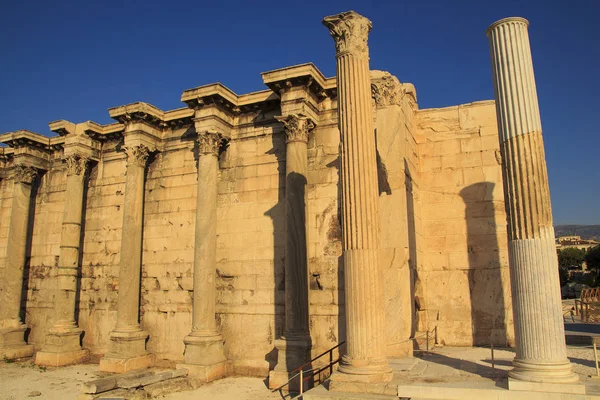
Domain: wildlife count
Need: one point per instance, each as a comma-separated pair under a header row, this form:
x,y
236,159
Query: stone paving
x,y
459,364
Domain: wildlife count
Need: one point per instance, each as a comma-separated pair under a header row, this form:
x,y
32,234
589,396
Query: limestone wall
x,y
465,264
443,241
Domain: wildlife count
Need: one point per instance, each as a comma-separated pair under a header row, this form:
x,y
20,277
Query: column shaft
x,y
365,314
539,331
205,251
68,262
130,265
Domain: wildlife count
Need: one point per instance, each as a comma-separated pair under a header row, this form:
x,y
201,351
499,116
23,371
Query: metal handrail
x,y
300,370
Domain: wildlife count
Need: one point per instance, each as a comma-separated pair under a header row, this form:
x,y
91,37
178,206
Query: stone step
x,y
476,390
321,393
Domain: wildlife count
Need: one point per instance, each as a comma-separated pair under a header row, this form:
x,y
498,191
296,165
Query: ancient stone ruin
x,y
243,234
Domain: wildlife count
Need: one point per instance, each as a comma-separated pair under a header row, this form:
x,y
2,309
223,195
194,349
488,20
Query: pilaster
x,y
541,354
365,361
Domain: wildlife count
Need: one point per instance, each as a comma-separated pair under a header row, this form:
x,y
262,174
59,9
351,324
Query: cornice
x,y
139,112
227,100
307,75
25,138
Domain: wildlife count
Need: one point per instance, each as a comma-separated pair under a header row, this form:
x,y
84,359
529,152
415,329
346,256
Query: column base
x,y
292,352
361,375
372,383
127,351
204,350
59,359
199,374
122,365
531,371
62,348
572,388
12,342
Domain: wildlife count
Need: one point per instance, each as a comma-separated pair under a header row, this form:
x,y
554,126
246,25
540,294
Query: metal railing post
x,y
493,362
330,362
301,382
596,359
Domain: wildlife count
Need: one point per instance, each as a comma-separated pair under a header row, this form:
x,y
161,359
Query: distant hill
x,y
585,231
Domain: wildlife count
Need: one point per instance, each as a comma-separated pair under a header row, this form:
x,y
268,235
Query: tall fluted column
x,y
204,351
62,345
365,303
293,349
541,354
127,349
12,329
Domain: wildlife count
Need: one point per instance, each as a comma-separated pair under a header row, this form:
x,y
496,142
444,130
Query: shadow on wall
x,y
35,186
488,313
341,285
276,213
415,284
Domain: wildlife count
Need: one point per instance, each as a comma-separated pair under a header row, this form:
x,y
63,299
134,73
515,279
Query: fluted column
x,y
204,351
62,344
365,304
541,354
293,349
12,328
127,348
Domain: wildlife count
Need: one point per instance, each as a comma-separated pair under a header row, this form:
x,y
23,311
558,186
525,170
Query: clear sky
x,y
74,59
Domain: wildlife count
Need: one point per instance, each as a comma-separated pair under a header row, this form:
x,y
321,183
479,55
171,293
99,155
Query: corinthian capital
x,y
350,32
209,142
137,155
297,127
25,174
76,164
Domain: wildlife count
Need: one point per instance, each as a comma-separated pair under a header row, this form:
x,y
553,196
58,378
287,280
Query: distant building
x,y
565,242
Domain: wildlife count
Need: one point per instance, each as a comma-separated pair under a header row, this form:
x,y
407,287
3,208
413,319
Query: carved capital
x,y
76,164
350,32
297,127
386,91
137,155
25,174
209,142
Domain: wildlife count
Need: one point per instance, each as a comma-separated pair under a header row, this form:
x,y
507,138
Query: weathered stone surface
x,y
434,175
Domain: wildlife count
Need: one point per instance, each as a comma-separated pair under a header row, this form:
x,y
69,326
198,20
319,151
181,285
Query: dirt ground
x,y
24,380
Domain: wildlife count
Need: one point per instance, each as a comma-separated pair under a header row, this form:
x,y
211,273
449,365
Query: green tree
x,y
592,258
571,257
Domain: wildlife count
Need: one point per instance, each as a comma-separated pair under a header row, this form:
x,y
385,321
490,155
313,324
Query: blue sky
x,y
73,60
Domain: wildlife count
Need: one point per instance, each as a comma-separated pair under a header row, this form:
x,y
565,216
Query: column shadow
x,y
86,179
488,313
276,213
35,186
412,246
341,322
